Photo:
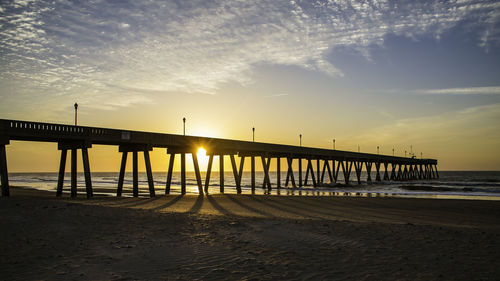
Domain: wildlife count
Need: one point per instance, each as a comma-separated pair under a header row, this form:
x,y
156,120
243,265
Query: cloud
x,y
277,95
110,49
462,91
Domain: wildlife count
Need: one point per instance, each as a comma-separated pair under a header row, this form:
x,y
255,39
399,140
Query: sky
x,y
420,76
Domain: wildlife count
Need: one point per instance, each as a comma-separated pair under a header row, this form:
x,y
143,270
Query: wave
x,y
446,188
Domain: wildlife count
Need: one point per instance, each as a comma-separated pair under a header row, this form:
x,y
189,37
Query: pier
x,y
322,166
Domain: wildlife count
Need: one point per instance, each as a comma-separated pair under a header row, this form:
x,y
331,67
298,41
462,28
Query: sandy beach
x,y
243,237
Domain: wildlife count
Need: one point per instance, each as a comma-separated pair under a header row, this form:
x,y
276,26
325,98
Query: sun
x,y
201,154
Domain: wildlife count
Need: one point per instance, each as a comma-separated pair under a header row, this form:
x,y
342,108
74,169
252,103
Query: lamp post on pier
x,y
378,149
405,153
300,139
253,134
333,144
76,113
184,125
393,151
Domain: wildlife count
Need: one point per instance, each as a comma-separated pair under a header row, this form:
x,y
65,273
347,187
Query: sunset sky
x,y
396,74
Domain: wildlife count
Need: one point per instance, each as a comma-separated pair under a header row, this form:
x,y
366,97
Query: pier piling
x,y
74,146
3,170
135,149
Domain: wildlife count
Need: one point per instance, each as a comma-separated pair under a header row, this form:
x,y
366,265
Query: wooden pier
x,y
318,161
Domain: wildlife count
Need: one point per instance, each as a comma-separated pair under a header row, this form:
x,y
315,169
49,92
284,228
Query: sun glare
x,y
202,158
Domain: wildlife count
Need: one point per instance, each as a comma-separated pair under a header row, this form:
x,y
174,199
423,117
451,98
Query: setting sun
x,y
202,158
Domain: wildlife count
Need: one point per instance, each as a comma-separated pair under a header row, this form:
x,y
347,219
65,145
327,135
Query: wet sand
x,y
247,237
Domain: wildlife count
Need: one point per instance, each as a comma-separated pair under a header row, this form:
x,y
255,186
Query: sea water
x,y
477,184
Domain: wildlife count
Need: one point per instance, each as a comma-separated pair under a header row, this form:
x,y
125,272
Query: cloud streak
x,y
462,91
107,50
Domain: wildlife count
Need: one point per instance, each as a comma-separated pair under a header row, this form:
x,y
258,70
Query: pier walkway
x,y
322,165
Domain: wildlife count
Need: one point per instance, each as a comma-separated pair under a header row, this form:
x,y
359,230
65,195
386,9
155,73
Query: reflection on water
x,y
473,185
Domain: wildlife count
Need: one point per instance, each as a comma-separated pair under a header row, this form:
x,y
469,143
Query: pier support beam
x,y
183,151
169,173
386,173
237,179
410,172
183,173
4,174
310,170
74,146
265,165
358,165
300,172
420,172
86,172
221,173
368,165
125,149
240,171
377,168
336,174
399,175
289,173
197,173
326,166
431,172
74,155
318,171
278,172
62,168
252,173
393,171
346,169
209,171
135,174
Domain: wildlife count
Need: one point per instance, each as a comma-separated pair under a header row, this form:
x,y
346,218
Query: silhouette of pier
x,y
322,165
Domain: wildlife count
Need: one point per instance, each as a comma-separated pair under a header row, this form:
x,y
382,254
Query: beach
x,y
245,237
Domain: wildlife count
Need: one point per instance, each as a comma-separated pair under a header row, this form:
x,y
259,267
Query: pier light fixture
x,y
421,155
405,153
393,151
76,113
300,139
333,144
253,134
378,149
184,125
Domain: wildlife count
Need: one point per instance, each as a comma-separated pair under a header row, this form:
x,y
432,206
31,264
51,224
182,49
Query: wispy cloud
x,y
462,91
109,49
277,95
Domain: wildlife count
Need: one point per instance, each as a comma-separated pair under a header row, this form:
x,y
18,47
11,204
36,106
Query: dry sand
x,y
247,237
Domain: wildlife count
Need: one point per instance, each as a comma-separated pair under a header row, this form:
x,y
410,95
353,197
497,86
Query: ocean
x,y
483,185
